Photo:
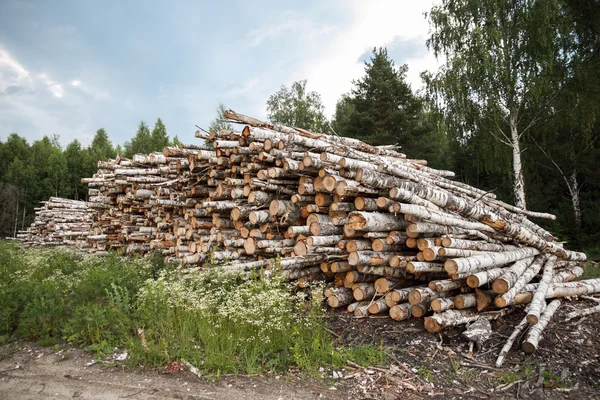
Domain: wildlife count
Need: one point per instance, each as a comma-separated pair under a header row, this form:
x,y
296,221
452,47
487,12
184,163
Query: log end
x,y
418,310
414,297
358,294
429,254
528,347
451,267
532,319
473,281
500,302
500,286
353,258
397,313
250,246
333,302
432,325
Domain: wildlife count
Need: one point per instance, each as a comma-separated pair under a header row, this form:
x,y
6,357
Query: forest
x,y
513,110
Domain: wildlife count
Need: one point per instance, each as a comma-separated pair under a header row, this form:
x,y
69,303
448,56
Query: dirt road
x,y
44,373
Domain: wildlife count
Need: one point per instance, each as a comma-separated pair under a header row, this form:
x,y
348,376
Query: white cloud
x,y
12,73
291,23
34,104
329,57
376,23
245,87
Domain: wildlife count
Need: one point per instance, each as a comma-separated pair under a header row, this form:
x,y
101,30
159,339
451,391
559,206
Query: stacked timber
x,y
390,234
59,222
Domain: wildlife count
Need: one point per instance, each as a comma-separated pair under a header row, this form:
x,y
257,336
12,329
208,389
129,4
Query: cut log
x,y
539,296
531,342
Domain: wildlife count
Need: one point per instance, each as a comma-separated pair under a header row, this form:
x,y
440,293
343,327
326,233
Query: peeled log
x,y
535,332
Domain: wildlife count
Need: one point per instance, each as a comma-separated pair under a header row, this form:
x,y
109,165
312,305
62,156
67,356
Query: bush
x,y
220,322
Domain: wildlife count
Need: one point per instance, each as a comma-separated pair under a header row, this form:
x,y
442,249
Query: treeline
x,y
30,173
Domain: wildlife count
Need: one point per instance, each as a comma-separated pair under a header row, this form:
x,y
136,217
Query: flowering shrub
x,y
222,322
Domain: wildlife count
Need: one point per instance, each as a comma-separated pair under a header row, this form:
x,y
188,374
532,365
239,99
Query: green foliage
x,y
141,143
159,138
223,323
296,107
220,122
382,110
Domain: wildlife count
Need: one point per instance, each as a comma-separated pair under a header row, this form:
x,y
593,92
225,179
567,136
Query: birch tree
x,y
498,69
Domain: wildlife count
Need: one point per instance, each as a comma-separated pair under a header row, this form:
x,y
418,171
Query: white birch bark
x,y
482,261
519,179
539,296
531,343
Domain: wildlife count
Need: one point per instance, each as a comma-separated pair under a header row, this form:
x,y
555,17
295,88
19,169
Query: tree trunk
x,y
519,179
575,197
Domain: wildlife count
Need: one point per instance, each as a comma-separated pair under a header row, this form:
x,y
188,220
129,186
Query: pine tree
x,y
140,143
381,109
159,137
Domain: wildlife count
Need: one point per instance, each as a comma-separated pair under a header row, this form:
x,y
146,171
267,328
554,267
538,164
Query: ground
x,y
419,365
28,371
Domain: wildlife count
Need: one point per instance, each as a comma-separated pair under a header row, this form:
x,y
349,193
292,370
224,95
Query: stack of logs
x,y
59,222
389,233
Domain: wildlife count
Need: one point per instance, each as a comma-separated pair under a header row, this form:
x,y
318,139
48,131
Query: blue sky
x,y
71,67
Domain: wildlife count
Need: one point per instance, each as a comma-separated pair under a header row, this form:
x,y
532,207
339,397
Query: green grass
x,y
593,253
221,323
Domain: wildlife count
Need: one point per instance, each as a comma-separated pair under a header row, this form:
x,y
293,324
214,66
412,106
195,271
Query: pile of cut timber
x,y
59,222
389,233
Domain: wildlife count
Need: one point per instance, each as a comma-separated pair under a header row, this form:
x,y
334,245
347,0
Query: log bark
x,y
488,260
530,272
539,296
510,276
531,342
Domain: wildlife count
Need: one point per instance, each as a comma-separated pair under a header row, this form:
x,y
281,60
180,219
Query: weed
x,y
47,342
425,373
551,380
590,271
508,377
455,363
366,355
220,322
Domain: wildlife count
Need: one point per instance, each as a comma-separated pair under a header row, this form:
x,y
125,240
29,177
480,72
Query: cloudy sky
x,y
71,67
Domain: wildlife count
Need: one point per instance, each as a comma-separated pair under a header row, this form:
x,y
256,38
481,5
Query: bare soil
x,y
28,371
419,366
